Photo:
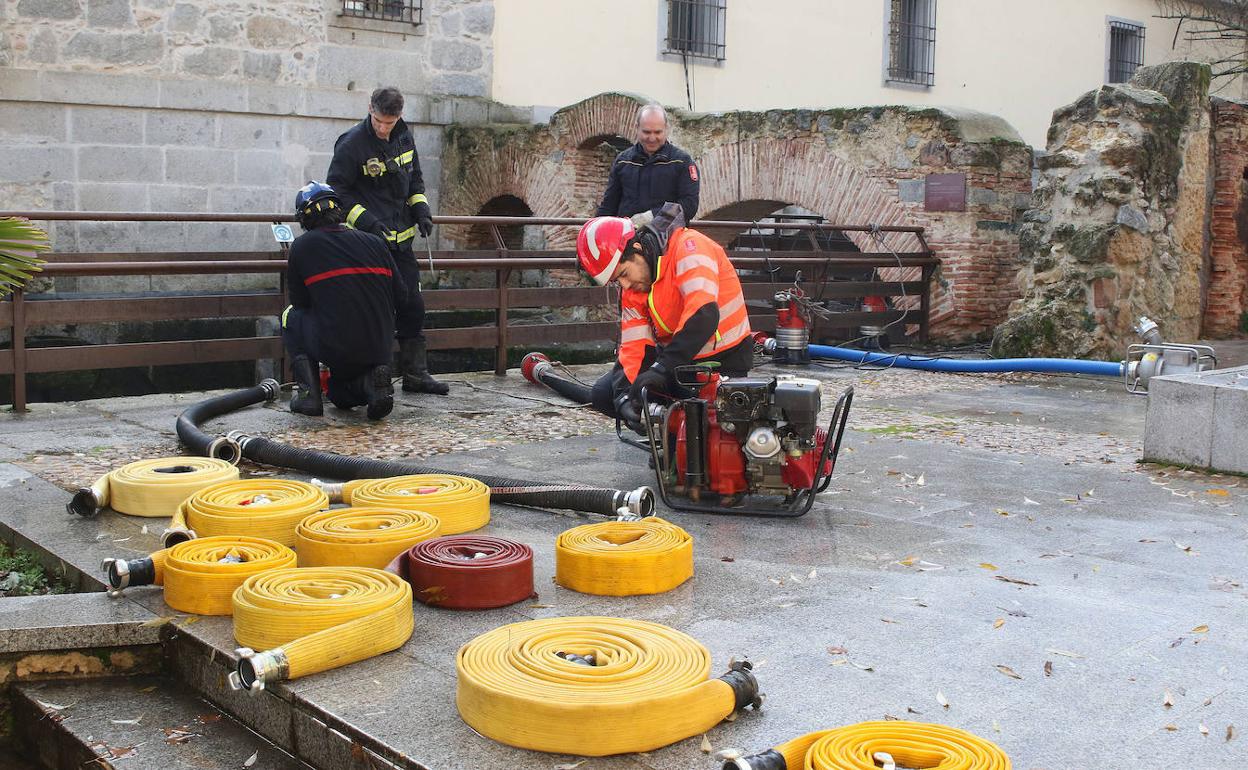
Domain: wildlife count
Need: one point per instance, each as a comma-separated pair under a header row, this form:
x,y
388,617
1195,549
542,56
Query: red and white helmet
x,y
600,244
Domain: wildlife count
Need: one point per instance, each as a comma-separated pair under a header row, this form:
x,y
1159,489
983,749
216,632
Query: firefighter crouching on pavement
x,y
681,303
376,170
343,287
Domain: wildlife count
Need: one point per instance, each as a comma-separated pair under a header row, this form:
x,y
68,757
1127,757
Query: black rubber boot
x,y
307,396
379,392
416,377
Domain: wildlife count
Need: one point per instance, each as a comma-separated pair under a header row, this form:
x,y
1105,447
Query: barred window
x,y
696,28
408,11
912,42
1126,50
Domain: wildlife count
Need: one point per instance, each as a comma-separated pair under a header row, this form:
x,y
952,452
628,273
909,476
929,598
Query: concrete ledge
x,y
1199,420
73,621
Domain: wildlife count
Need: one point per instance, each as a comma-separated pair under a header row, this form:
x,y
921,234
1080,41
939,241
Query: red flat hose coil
x,y
467,572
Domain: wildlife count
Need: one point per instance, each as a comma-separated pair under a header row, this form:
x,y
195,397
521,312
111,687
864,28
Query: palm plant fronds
x,y
20,244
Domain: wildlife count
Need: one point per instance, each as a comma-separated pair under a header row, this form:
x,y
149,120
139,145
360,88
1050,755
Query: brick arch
x,y
512,170
604,115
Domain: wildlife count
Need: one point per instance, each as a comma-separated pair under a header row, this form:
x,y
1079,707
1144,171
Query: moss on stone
x,y
1090,243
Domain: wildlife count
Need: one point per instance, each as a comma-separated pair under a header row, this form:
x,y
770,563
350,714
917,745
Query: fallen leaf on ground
x,y
910,710
727,755
837,650
706,745
1015,581
1029,501
1168,700
1204,729
1230,732
541,606
252,759
1048,668
1063,653
988,565
134,721
996,727
941,699
1177,642
891,718
908,561
1217,492
1008,672
1172,728
51,706
1001,511
998,622
728,559
571,765
888,620
921,481
1201,629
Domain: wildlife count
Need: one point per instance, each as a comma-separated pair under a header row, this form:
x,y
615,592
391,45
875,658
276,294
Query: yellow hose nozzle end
x,y
85,502
256,669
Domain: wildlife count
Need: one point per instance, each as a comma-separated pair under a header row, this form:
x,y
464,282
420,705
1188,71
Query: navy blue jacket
x,y
641,182
382,194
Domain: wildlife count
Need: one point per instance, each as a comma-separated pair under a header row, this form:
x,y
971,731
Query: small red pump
x,y
739,445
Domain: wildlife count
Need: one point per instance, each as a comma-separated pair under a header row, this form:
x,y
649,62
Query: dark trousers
x,y
734,362
410,314
300,337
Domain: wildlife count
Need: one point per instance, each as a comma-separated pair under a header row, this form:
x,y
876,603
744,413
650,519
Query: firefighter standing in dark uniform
x,y
343,288
650,173
376,170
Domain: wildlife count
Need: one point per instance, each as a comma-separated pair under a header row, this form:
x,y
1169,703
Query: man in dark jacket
x,y
376,170
343,287
650,173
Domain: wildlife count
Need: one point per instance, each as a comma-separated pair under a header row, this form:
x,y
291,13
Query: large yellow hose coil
x,y
624,558
313,619
200,575
267,508
872,745
361,537
593,686
461,504
151,487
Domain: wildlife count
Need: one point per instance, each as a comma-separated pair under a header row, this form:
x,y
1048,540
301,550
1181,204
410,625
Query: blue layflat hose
x,y
1045,365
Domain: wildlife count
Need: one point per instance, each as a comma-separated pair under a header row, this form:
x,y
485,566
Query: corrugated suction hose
x,y
575,497
268,508
308,620
872,745
624,558
361,537
200,576
594,686
151,487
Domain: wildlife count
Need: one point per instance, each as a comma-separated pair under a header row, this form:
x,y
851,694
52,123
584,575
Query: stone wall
x,y
852,166
1118,227
1226,305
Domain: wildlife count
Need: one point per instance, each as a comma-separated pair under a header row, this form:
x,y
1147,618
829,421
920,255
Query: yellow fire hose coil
x,y
313,619
152,488
361,537
461,504
266,508
200,576
593,686
871,745
624,558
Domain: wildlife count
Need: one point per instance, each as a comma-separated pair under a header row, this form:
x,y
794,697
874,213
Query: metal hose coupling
x,y
256,669
122,573
764,760
85,502
332,489
740,677
272,388
225,448
639,502
171,537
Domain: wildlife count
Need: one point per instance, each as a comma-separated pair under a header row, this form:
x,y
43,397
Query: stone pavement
x,y
990,555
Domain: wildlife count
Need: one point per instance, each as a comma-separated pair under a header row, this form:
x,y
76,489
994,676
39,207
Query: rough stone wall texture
x,y
1118,227
853,166
1226,304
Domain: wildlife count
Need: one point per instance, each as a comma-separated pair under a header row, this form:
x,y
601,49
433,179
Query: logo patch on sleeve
x,y
689,244
693,172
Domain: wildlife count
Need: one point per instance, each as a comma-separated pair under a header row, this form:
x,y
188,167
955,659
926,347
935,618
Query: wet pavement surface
x,y
989,555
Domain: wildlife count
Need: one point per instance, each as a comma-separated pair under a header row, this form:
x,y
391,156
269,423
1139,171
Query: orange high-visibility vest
x,y
692,272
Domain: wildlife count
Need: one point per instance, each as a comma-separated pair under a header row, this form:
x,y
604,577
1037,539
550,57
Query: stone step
x,y
132,723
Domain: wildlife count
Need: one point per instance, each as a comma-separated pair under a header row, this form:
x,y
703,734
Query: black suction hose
x,y
571,497
539,370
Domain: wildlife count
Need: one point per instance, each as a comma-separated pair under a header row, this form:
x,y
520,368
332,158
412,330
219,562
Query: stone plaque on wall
x,y
944,192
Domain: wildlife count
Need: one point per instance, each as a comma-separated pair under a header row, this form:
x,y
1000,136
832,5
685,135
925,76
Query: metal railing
x,y
823,278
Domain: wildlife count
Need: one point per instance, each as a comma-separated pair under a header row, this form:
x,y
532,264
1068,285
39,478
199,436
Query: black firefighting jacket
x,y
641,182
380,182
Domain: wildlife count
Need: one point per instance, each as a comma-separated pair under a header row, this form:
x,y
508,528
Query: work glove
x,y
628,413
381,231
653,380
424,218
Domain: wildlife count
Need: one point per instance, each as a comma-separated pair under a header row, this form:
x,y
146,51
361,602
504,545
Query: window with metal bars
x,y
912,42
407,11
1126,50
696,28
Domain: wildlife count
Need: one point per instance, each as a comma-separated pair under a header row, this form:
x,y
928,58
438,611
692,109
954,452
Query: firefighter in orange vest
x,y
681,303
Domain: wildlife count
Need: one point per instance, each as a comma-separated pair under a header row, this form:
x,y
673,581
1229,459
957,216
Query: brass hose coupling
x,y
256,669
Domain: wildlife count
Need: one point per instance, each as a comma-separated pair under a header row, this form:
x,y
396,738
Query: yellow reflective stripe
x,y
654,312
285,313
354,214
404,158
406,235
417,198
